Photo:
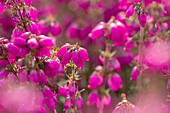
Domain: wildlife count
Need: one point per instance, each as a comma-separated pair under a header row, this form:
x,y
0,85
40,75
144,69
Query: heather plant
x,y
74,56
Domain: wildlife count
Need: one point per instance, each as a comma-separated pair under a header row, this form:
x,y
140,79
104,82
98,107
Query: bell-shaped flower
x,y
66,58
67,104
135,73
83,55
142,19
114,81
130,11
95,80
79,102
76,59
55,29
32,43
97,31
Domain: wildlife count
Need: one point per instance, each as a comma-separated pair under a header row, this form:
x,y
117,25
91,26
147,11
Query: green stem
x,y
24,25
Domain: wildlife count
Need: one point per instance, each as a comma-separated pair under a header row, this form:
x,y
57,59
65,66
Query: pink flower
x,y
130,11
33,14
61,51
46,41
1,8
20,42
113,64
11,48
93,98
67,104
95,80
51,68
114,81
128,45
66,58
62,92
42,77
72,88
142,19
55,29
97,31
79,102
76,59
135,73
83,55
118,33
27,2
72,31
32,43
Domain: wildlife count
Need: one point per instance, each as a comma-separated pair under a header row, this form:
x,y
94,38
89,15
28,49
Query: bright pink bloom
x,y
32,43
67,104
46,41
135,73
27,2
114,82
62,92
42,77
130,11
55,29
97,31
51,68
128,45
95,80
113,64
33,14
142,19
20,42
83,55
1,8
61,51
66,58
79,102
72,31
76,59
93,98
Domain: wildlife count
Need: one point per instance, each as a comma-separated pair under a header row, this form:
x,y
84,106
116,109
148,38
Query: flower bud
x,y
72,31
55,29
79,102
135,73
67,104
20,42
42,77
12,49
61,51
114,82
76,59
62,92
83,55
128,45
142,20
27,2
130,11
95,80
32,43
1,8
33,14
66,58
97,31
46,42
